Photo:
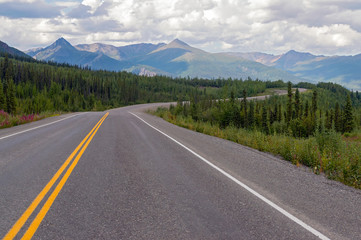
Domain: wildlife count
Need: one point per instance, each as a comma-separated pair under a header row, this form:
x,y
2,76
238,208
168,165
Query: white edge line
x,y
27,130
275,206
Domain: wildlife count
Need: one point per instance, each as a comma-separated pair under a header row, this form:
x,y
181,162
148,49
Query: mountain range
x,y
344,70
177,58
173,59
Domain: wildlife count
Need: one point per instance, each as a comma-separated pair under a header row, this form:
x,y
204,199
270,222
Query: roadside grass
x,y
8,120
328,153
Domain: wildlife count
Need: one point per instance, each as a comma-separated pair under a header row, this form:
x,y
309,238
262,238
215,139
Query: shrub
x,y
325,152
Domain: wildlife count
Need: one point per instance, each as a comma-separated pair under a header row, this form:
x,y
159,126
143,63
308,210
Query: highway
x,y
125,174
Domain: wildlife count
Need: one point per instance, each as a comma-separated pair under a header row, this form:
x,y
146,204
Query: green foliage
x,y
265,121
41,86
10,97
297,107
311,137
314,105
289,104
348,118
325,152
33,87
2,97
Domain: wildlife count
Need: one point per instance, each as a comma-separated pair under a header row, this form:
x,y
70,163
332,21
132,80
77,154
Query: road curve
x,y
139,177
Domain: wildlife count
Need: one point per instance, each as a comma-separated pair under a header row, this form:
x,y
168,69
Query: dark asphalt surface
x,y
132,182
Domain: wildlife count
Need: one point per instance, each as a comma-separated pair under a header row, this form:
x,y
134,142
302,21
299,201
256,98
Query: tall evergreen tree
x,y
244,102
264,119
289,104
337,118
306,112
314,105
279,117
297,104
271,115
276,112
348,118
232,99
4,66
10,97
251,118
2,97
328,123
9,72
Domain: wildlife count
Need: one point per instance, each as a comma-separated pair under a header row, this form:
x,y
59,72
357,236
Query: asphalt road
x,y
140,177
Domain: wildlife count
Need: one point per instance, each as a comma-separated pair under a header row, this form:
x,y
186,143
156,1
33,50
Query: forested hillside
x,y
33,87
29,86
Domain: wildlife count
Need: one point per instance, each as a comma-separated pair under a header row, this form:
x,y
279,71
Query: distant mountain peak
x,y
61,42
178,42
293,52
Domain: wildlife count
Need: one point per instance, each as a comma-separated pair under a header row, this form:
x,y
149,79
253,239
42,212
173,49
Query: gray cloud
x,y
100,26
40,9
80,11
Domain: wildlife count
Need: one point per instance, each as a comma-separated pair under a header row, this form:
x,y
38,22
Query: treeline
x,y
30,86
298,115
33,87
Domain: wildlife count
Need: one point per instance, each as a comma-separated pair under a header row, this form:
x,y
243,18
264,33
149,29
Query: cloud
x,y
275,26
29,9
81,11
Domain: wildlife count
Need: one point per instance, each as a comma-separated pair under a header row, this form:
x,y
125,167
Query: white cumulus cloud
x,y
318,26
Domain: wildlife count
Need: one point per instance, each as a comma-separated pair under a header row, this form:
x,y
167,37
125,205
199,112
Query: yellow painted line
x,y
21,221
36,222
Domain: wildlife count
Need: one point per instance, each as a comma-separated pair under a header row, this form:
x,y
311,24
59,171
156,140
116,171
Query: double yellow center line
x,y
36,222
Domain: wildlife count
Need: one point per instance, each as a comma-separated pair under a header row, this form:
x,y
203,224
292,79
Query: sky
x,y
328,27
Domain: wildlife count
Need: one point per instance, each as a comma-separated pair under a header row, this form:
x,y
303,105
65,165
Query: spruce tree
x,y
297,104
264,120
5,66
305,114
9,71
348,118
271,115
245,120
314,103
251,117
10,97
328,123
289,104
276,113
314,110
2,97
279,117
337,118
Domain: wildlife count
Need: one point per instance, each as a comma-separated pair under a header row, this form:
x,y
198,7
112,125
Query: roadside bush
x,y
326,152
